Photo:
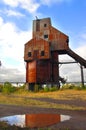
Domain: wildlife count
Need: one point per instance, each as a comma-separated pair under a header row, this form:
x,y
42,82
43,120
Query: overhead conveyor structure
x,y
77,58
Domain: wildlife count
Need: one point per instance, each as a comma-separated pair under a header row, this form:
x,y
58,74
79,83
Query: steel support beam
x,y
82,76
67,62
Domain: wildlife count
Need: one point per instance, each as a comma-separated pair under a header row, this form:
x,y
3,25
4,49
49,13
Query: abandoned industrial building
x,y
42,51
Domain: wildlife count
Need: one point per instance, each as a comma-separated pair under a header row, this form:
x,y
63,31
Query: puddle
x,y
35,120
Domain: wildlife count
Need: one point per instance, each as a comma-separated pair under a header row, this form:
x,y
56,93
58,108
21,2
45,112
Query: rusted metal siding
x,y
43,71
38,71
36,47
58,40
40,26
31,72
54,67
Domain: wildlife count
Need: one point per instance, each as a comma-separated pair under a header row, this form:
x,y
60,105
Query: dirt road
x,y
76,122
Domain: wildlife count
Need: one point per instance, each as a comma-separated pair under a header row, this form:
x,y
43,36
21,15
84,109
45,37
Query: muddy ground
x,y
76,122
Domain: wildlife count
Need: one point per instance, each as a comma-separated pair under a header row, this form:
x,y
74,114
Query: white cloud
x,y
13,3
11,75
1,22
71,72
13,13
81,51
50,2
30,5
12,42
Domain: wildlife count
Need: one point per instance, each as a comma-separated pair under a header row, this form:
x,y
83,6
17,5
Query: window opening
x,y
45,36
42,53
29,54
45,25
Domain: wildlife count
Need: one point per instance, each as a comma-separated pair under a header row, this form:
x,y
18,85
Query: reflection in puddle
x,y
35,120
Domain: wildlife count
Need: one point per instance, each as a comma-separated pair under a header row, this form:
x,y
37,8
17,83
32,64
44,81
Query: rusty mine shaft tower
x,y
42,51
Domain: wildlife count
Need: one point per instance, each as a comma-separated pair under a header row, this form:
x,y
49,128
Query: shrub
x,y
68,86
50,89
8,88
73,86
23,86
1,87
53,89
46,89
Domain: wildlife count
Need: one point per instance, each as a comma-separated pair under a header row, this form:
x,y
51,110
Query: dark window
x,y
45,36
29,54
42,53
45,25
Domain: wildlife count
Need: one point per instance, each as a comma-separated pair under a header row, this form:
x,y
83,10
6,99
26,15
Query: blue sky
x,y
16,17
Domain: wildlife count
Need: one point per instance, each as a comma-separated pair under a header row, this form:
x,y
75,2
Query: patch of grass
x,y
58,95
51,89
25,101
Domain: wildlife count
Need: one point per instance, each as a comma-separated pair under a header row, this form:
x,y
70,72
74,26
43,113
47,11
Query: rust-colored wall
x,y
55,68
31,72
43,71
58,40
39,28
36,46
